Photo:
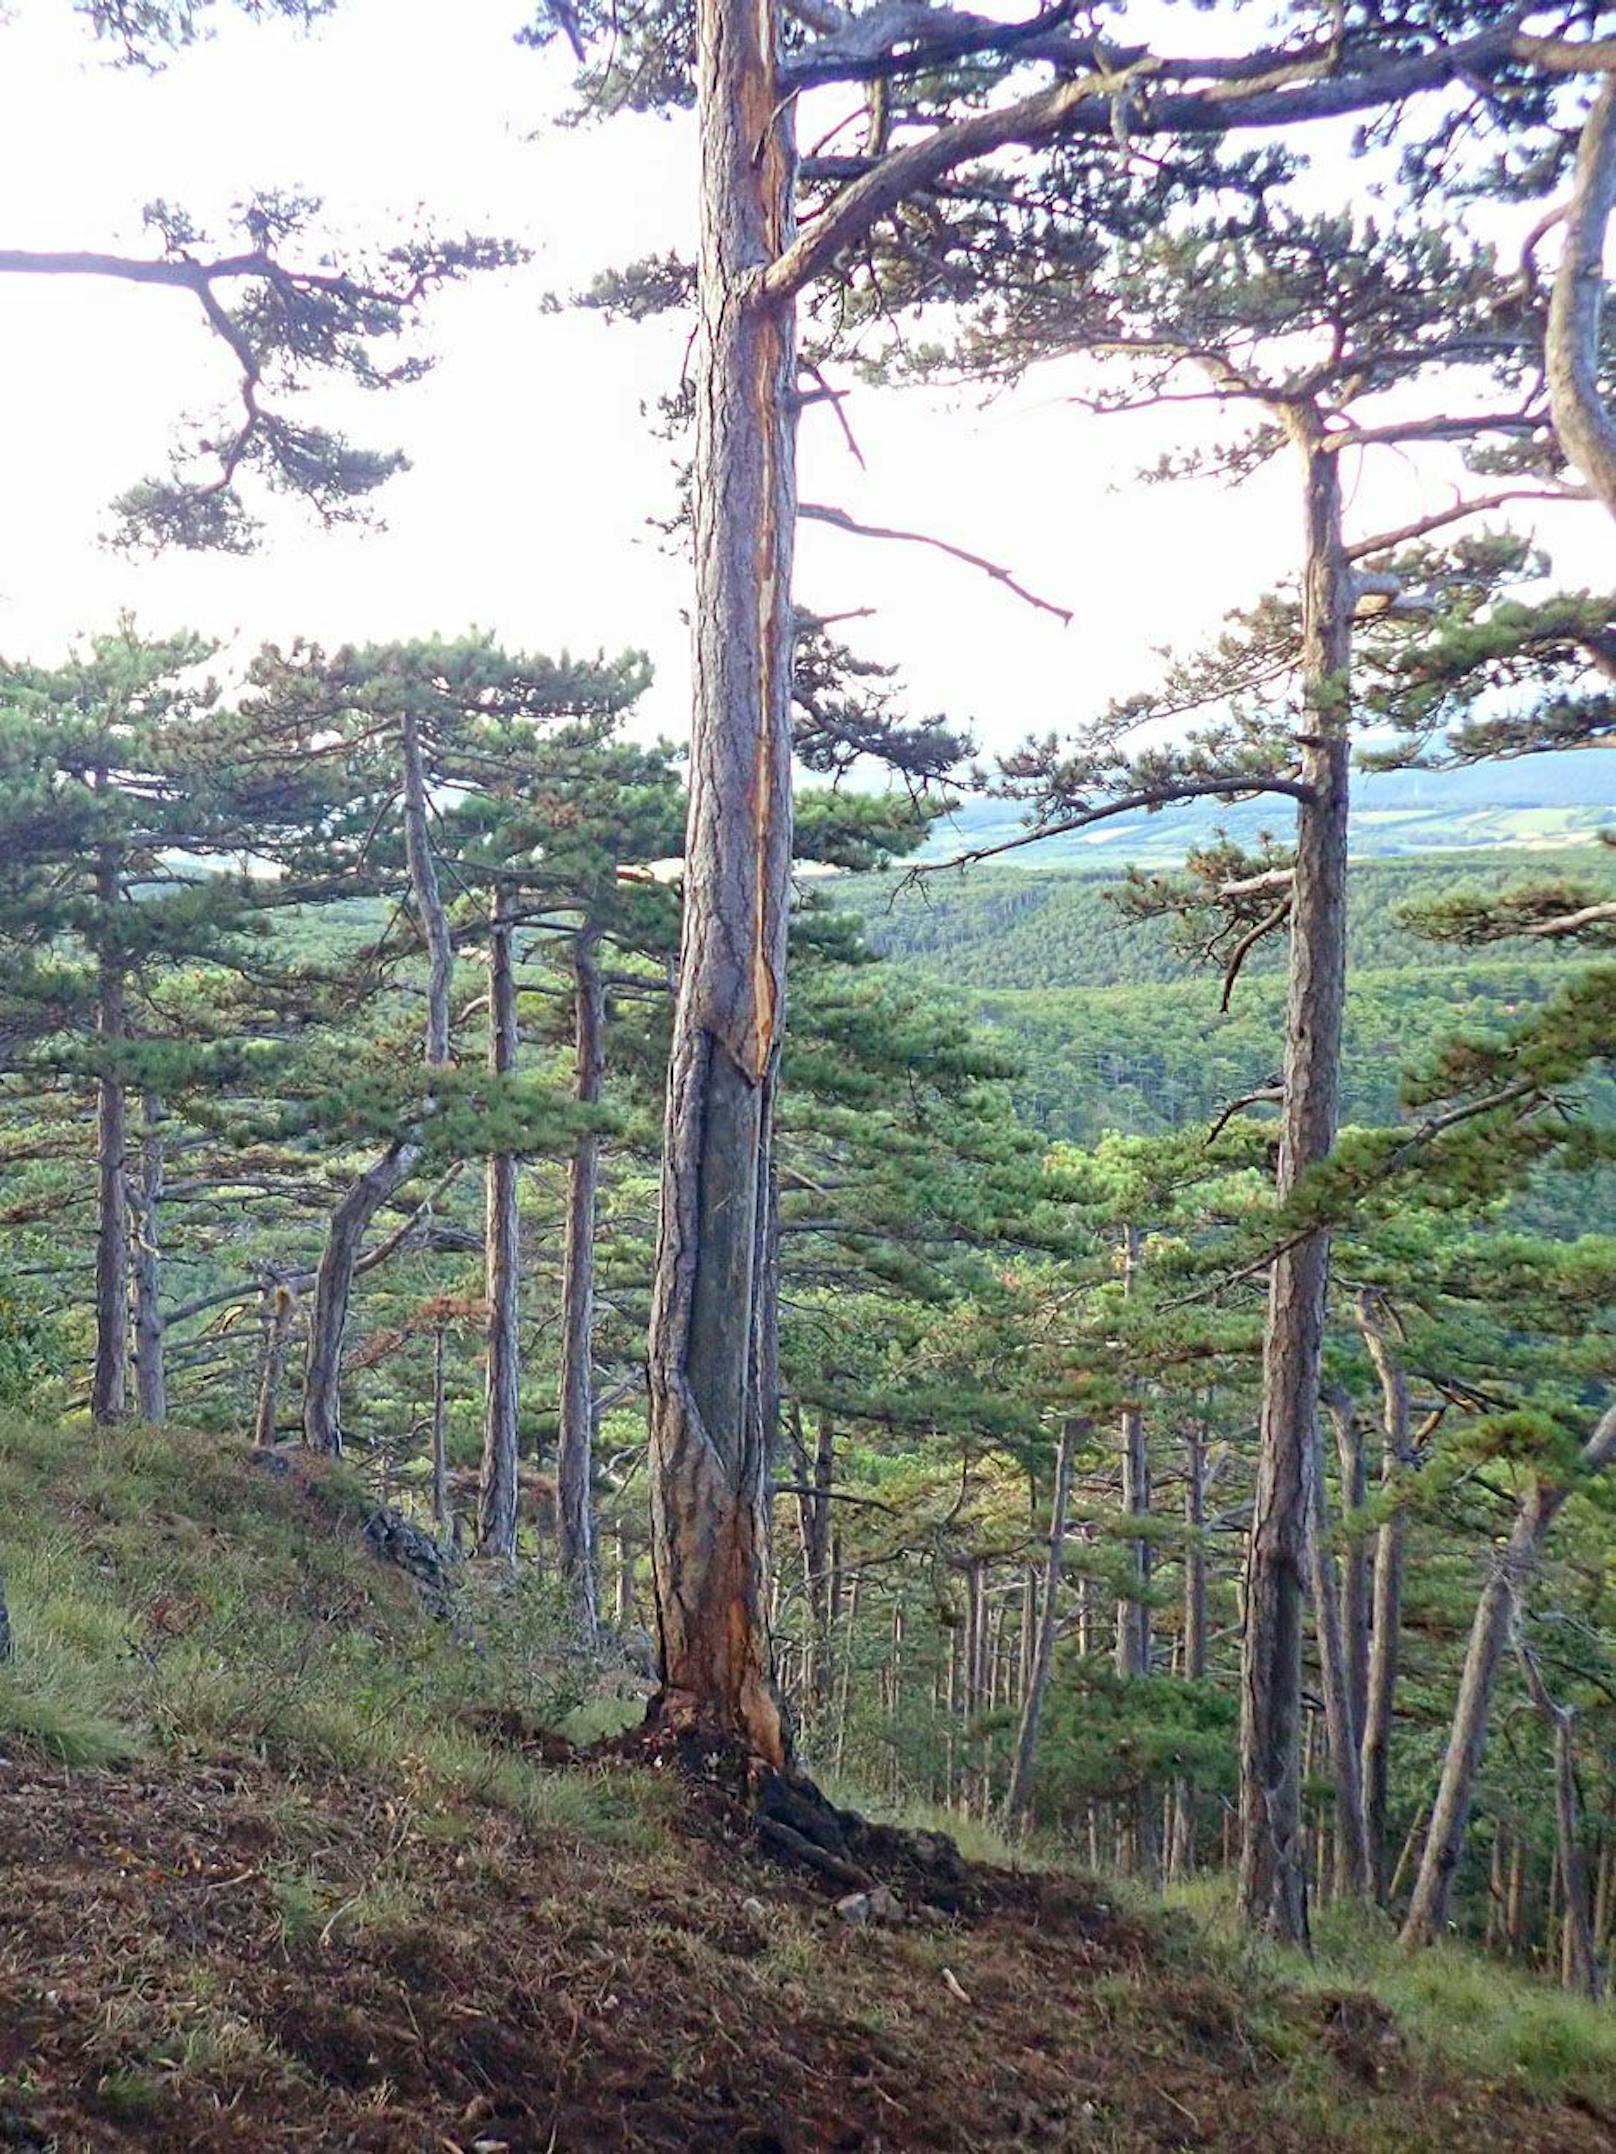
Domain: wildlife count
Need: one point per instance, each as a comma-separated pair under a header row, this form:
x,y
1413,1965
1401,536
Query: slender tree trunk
x,y
1355,1602
1351,1873
1581,1969
1273,1887
384,1177
814,1533
1018,1795
1510,1571
1181,1845
151,1383
1572,354
109,1379
440,1429
1386,1602
502,1272
708,1449
575,1471
279,1308
1133,1609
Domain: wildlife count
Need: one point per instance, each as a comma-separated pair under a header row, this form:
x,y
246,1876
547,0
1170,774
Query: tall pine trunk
x,y
109,1378
1351,1872
1583,1971
709,1510
384,1177
1273,1883
496,1484
1181,1846
575,1469
151,1382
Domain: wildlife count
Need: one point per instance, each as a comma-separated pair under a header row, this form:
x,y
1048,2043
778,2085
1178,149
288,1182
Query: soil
x,y
463,1984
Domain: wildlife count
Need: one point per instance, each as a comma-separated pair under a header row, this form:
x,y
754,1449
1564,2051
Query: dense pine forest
x,y
735,1415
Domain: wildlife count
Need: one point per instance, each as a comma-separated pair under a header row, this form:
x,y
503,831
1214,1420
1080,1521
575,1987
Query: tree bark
x,y
280,1305
1355,1602
151,1383
1351,1870
1511,1568
575,1471
708,1441
814,1534
1572,350
1386,1616
496,1482
1181,1844
1018,1795
1273,1885
384,1177
1583,1971
109,1378
440,1430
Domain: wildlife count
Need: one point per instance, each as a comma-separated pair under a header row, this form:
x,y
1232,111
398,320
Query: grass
x,y
1496,2025
170,1597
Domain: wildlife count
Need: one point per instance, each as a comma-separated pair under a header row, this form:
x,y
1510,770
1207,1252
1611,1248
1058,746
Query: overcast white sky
x,y
533,469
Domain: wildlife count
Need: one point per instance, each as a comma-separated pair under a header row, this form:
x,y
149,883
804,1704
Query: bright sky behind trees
x,y
534,465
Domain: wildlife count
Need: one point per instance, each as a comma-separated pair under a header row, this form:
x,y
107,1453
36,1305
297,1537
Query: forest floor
x,y
238,1912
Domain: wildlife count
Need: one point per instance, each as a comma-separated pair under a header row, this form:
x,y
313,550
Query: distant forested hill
x,y
1001,927
1538,800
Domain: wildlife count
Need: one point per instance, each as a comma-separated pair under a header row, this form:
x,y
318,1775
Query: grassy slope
x,y
282,1864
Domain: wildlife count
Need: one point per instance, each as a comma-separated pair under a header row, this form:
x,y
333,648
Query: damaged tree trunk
x,y
1273,1883
369,1191
708,1447
1573,353
279,1307
496,1484
575,1466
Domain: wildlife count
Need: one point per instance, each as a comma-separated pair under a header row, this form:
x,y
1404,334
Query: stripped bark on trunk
x,y
1572,350
278,1309
708,1438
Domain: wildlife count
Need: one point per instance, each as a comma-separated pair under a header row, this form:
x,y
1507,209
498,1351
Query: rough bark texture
x,y
1351,1845
496,1483
280,1306
708,1448
1273,1884
1018,1796
151,1382
1586,429
1386,1611
109,1377
1511,1568
575,1467
384,1177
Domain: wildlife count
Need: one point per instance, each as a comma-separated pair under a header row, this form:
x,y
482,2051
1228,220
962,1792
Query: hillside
x,y
288,1863
1533,801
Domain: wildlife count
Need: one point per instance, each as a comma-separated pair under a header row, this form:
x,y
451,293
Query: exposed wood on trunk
x,y
151,1385
1510,1570
385,1176
1273,1890
708,1439
109,1378
1018,1795
1351,1870
496,1481
1572,352
575,1459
